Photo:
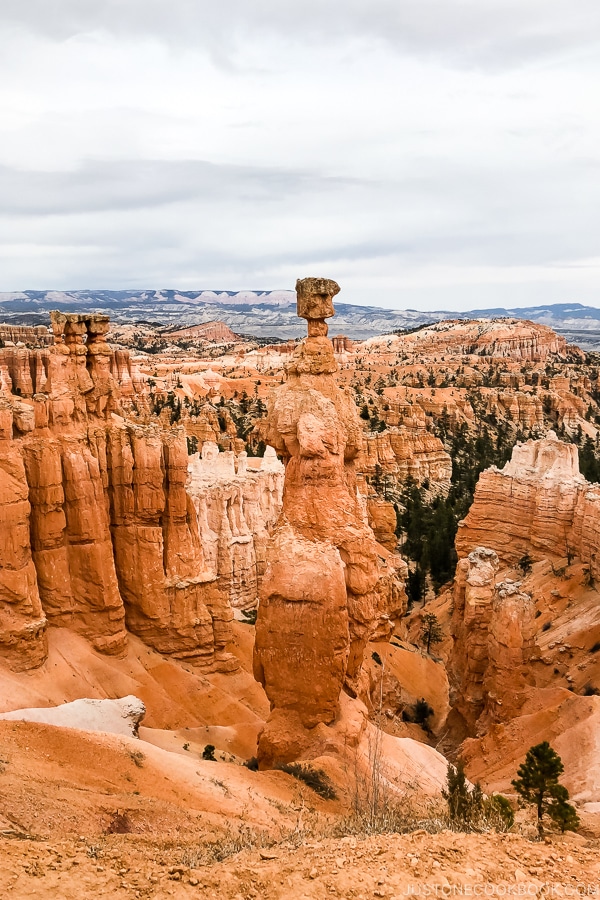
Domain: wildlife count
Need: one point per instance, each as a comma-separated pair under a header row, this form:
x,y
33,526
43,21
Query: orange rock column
x,y
22,621
317,600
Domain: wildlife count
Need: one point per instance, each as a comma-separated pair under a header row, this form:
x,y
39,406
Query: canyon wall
x,y
237,502
525,410
206,426
540,507
516,339
511,649
98,532
471,615
402,453
214,332
382,519
493,626
33,335
326,588
539,503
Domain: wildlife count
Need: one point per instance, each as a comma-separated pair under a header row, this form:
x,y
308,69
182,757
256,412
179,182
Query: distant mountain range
x,y
272,314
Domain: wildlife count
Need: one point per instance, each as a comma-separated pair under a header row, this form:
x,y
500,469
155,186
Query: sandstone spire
x,y
318,605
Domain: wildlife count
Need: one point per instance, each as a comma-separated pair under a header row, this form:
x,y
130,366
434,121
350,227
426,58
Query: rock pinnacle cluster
x,y
98,533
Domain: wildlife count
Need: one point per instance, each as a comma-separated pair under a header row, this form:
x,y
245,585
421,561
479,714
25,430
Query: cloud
x,y
264,217
482,32
113,186
419,151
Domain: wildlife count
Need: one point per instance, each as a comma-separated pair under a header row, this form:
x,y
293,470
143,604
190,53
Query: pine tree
x,y
431,632
422,711
469,808
500,810
415,585
561,812
526,563
538,785
588,464
456,793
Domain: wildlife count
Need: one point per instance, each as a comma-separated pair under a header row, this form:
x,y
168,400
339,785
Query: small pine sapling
x,y
538,785
431,632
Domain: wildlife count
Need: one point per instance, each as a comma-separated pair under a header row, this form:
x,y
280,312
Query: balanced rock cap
x,y
315,297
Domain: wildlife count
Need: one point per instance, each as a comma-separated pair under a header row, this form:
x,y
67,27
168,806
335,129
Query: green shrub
x,y
469,809
561,812
418,713
499,806
316,779
525,564
457,794
422,711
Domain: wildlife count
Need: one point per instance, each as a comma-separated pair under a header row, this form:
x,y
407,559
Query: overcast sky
x,y
424,153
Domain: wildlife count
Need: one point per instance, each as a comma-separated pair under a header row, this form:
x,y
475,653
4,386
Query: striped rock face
x,y
98,532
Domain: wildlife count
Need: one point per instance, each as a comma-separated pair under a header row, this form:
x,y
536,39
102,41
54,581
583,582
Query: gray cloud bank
x,y
487,32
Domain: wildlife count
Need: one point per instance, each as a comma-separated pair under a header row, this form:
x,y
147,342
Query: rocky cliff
x,y
539,504
494,642
471,615
513,639
382,519
511,649
516,339
319,600
401,453
237,502
525,410
36,335
98,531
214,332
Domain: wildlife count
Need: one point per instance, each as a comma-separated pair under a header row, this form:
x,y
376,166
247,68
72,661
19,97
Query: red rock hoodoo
x,y
320,600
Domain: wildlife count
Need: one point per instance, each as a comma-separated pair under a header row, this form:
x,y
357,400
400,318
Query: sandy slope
x,y
61,781
175,695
